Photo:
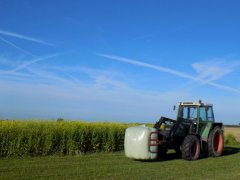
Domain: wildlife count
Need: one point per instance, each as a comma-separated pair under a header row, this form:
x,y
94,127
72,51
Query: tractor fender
x,y
216,124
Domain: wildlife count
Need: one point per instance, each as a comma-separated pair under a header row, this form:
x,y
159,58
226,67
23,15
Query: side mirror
x,y
174,107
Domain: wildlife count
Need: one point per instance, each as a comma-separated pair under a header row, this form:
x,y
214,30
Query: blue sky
x,y
127,61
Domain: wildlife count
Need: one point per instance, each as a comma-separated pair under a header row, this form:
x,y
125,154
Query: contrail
x,y
17,47
32,62
138,63
19,36
170,71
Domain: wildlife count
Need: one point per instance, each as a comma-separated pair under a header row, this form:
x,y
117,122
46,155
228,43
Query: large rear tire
x,y
191,148
215,142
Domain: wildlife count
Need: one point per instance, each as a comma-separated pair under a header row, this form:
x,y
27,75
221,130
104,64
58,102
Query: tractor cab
x,y
197,115
195,111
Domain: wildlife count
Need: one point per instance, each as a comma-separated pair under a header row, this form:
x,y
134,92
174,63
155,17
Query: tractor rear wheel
x,y
215,142
190,148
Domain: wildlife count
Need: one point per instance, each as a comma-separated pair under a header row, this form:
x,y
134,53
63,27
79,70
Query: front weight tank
x,y
141,143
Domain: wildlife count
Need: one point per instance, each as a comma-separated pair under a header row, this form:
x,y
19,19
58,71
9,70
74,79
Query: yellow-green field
x,y
41,138
35,138
234,131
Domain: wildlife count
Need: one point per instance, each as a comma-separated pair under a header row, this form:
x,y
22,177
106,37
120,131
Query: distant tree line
x,y
232,125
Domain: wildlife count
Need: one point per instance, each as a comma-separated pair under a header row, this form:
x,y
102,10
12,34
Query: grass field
x,y
233,130
117,166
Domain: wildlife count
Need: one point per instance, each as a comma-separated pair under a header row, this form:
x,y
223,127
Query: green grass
x,y
116,166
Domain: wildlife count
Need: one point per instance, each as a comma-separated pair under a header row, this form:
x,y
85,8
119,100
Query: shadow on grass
x,y
168,157
230,151
227,151
173,156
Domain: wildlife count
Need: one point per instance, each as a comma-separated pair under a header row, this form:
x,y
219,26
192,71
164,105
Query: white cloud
x,y
44,92
103,79
17,47
214,69
87,102
83,101
170,71
34,61
51,92
138,63
27,63
19,36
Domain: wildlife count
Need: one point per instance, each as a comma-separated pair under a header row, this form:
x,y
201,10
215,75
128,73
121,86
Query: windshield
x,y
188,112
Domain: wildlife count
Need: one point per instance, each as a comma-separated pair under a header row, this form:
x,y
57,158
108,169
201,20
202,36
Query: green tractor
x,y
192,133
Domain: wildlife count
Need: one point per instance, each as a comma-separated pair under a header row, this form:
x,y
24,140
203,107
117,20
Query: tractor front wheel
x,y
215,142
191,148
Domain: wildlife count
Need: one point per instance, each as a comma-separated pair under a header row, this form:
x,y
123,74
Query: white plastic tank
x,y
141,143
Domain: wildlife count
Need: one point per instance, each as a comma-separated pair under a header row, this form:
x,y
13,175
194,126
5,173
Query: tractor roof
x,y
199,103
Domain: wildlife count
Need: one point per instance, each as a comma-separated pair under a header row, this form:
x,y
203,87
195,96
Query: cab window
x,y
210,116
184,112
202,114
187,112
193,113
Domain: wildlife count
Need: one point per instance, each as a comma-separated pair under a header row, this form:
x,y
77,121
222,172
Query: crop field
x,y
35,138
41,138
80,150
234,131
